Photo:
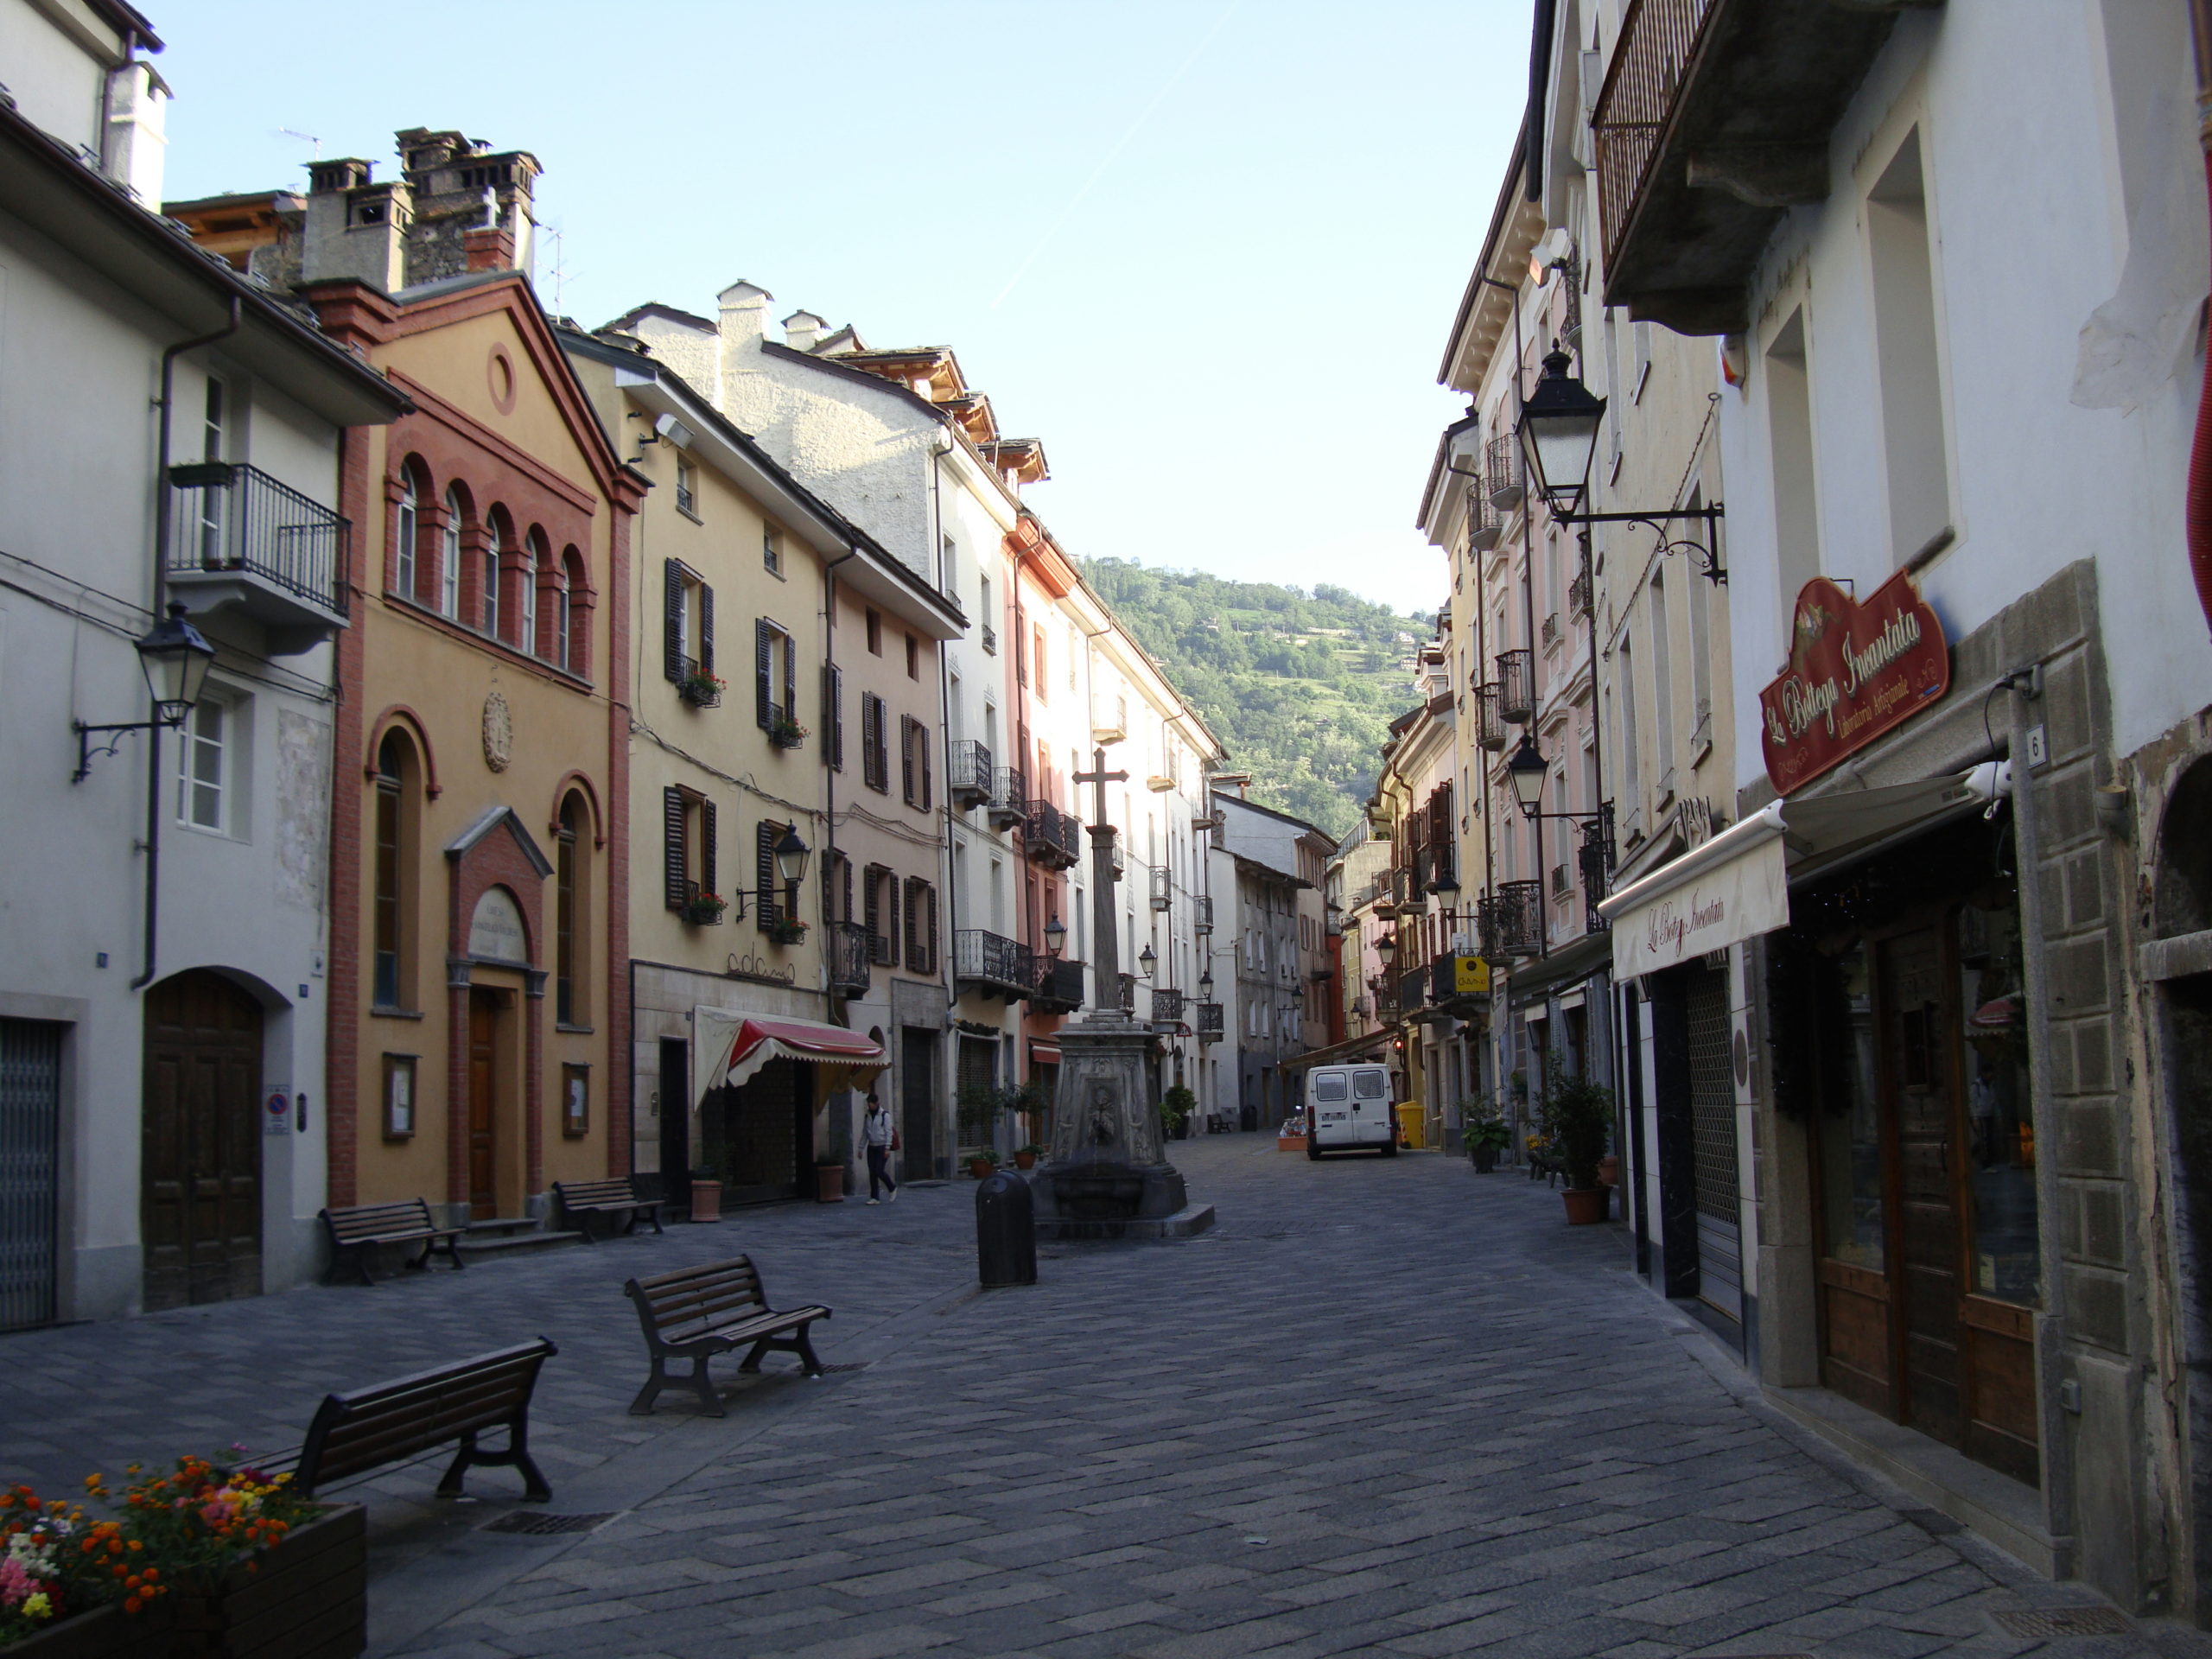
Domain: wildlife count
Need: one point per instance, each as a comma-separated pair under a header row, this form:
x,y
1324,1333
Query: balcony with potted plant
x,y
702,908
784,732
698,688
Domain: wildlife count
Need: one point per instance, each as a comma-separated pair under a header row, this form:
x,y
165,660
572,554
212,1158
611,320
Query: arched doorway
x,y
199,1162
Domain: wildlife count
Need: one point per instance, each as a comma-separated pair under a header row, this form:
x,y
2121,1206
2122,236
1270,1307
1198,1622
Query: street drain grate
x,y
832,1370
537,1523
2066,1621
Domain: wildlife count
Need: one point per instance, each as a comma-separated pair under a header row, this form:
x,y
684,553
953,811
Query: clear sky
x,y
1208,253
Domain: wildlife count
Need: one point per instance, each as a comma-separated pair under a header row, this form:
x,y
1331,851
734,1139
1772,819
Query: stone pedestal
x,y
1108,1177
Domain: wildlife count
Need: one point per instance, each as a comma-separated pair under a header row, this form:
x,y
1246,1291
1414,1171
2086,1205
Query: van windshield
x,y
1328,1088
1371,1085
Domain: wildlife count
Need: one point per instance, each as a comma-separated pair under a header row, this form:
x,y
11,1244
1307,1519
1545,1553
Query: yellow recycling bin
x,y
1412,1124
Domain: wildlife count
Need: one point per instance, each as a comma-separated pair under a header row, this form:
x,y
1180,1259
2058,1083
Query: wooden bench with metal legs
x,y
356,1229
696,1313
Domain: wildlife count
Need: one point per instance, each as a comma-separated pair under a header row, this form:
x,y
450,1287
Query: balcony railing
x,y
1596,857
969,774
1167,1005
1485,524
1202,913
1489,721
259,544
993,964
1438,872
990,636
1052,837
1516,685
1207,1022
1413,991
1009,799
1656,39
1578,595
1059,987
850,953
1162,888
1502,471
1551,629
1510,921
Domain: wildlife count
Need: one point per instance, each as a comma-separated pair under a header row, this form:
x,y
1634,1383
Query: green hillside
x,y
1301,687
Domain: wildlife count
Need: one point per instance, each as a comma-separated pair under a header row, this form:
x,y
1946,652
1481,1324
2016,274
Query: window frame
x,y
192,743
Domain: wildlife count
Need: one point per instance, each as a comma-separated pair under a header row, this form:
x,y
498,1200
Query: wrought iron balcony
x,y
1516,685
1202,913
1596,857
993,964
1490,722
1167,1005
1052,837
238,538
1059,987
1413,991
1551,628
1162,888
990,637
1714,120
1439,873
1208,1023
969,774
1502,471
1009,799
1511,921
1485,525
850,953
1578,595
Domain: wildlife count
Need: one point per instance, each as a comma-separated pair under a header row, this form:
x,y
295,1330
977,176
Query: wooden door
x,y
1925,1111
199,1169
918,1102
483,1104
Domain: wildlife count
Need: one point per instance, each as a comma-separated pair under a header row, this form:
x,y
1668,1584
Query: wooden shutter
x,y
833,716
906,757
912,912
672,600
929,780
707,847
791,677
672,809
764,697
929,904
706,629
770,910
875,763
845,870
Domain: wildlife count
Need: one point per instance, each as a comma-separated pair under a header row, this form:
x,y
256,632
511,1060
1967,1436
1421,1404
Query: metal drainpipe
x,y
2057,1451
828,772
160,597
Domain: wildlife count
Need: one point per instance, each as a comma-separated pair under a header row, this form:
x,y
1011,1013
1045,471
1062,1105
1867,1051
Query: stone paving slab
x,y
1388,1407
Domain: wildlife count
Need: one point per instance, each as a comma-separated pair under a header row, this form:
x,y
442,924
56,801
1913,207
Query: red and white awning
x,y
732,1047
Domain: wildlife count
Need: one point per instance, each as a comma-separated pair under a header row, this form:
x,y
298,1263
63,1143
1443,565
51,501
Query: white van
x,y
1349,1107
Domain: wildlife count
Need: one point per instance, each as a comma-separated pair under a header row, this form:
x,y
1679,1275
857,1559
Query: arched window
x,y
406,525
449,559
397,796
490,619
536,559
576,615
571,897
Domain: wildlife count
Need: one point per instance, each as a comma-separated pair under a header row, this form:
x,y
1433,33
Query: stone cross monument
x,y
1107,1176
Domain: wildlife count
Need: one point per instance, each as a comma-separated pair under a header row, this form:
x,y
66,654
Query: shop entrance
x,y
760,1133
1713,1146
483,1104
918,1103
199,1204
1924,1151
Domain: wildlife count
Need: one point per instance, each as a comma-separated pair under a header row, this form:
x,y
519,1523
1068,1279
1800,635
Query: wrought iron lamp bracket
x,y
88,751
1704,556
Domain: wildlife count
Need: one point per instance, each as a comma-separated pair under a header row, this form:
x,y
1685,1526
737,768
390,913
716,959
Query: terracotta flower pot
x,y
980,1168
706,1200
1586,1205
828,1183
1025,1160
1609,1171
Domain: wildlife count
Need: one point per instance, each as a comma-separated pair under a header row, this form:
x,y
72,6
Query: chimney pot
x,y
491,249
345,173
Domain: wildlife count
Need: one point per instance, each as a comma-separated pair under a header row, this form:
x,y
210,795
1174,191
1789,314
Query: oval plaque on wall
x,y
495,931
498,732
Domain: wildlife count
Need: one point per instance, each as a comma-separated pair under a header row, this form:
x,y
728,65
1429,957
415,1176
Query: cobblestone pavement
x,y
1389,1407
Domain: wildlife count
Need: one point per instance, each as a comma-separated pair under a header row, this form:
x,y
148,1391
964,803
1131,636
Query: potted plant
x,y
1026,1157
784,930
704,909
1176,1107
828,1181
700,688
982,1162
785,733
706,1193
1577,1116
1483,1129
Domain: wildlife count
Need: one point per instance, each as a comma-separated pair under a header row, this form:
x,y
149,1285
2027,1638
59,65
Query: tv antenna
x,y
304,137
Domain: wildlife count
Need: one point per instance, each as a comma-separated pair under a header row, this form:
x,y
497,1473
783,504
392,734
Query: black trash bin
x,y
1006,1231
1249,1119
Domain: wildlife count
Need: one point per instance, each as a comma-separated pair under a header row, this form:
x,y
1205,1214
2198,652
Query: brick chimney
x,y
472,205
490,248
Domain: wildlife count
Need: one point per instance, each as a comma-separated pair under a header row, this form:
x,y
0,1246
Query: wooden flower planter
x,y
306,1598
103,1633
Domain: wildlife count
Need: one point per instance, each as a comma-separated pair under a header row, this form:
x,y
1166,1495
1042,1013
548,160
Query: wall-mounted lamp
x,y
175,659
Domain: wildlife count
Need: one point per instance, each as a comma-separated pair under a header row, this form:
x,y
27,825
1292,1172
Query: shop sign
x,y
495,930
1470,976
1856,670
1719,906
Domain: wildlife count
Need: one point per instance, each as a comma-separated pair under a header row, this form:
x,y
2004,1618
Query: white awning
x,y
1736,886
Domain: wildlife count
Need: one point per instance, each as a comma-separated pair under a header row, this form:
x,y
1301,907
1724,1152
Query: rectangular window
x,y
833,716
774,906
688,627
874,632
875,757
914,658
771,550
1790,442
1910,357
775,676
687,848
201,768
212,501
1662,687
687,488
407,528
876,914
1629,757
398,1097
920,921
914,763
1037,654
575,1100
947,567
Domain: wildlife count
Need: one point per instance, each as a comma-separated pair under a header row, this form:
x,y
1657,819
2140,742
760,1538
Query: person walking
x,y
881,1139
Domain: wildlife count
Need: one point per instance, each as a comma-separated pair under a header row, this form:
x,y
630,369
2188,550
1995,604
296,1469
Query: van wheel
x,y
1391,1148
1312,1153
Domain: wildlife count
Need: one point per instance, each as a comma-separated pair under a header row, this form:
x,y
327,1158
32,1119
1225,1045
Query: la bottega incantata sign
x,y
1856,670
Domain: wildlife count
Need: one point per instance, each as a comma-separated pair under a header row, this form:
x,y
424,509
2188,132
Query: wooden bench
x,y
359,1229
581,1200
391,1423
695,1313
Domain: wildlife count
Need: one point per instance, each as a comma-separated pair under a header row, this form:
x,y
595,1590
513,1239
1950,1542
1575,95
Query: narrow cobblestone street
x,y
1385,1406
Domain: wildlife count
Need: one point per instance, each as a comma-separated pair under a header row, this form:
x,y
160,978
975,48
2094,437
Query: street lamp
x,y
792,855
1148,959
1056,934
1463,443
1205,985
176,658
1527,769
1558,434
1385,947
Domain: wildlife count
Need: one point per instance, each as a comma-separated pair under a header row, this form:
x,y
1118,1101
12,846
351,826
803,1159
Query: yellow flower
x,y
35,1606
